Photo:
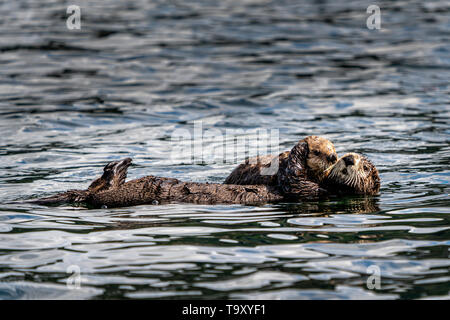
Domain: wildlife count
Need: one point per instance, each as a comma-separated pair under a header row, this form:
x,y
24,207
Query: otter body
x,y
352,174
111,190
153,189
256,170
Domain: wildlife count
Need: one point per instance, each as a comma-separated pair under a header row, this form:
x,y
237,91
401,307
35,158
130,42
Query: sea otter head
x,y
114,174
320,156
352,174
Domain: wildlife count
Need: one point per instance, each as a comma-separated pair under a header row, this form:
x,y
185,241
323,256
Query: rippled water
x,y
72,100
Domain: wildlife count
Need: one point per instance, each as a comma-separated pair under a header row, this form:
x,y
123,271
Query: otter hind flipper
x,y
114,175
120,172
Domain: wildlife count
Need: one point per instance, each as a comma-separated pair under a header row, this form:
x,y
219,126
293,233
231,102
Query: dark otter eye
x,y
317,153
344,171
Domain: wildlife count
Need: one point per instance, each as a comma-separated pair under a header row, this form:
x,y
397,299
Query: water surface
x,y
73,100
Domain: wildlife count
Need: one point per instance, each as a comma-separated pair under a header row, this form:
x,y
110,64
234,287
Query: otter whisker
x,y
359,178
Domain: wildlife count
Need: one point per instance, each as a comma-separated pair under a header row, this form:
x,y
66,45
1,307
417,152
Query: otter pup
x,y
352,174
299,173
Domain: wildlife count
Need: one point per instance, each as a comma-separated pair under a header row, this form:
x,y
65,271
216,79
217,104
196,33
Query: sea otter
x,y
352,174
299,171
111,190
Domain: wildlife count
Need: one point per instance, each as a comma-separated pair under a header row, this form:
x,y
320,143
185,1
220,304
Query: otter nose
x,y
349,160
332,158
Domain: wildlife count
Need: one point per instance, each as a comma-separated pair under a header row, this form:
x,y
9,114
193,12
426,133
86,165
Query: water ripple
x,y
71,101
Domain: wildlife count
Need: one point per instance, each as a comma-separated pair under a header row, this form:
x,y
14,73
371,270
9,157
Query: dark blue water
x,y
136,72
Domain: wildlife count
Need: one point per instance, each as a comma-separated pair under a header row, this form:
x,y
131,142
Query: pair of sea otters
x,y
310,170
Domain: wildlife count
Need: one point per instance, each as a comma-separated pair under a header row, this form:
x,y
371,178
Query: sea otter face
x,y
352,174
321,155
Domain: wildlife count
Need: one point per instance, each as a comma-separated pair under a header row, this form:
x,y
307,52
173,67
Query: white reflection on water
x,y
71,102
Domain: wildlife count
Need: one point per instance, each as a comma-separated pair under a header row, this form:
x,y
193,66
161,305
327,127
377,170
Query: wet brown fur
x,y
111,190
300,170
249,172
315,153
149,189
114,175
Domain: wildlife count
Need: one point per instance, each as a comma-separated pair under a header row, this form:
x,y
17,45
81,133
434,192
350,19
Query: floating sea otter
x,y
299,171
111,190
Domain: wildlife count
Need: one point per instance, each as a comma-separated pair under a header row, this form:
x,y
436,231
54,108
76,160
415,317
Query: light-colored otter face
x,y
353,174
321,155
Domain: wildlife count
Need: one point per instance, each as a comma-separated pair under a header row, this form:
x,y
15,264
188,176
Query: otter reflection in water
x,y
111,190
336,205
